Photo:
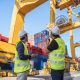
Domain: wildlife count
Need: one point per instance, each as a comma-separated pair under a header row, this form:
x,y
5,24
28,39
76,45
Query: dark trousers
x,y
57,74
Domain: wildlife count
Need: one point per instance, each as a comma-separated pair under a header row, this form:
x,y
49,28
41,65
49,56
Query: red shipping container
x,y
37,50
5,39
0,37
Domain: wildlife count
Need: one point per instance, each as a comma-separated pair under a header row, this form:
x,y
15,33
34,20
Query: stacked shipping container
x,y
40,40
37,39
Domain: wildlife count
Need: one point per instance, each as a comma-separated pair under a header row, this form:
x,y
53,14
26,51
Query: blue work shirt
x,y
20,48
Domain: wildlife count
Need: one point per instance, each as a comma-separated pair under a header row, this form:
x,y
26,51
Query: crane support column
x,y
52,13
71,33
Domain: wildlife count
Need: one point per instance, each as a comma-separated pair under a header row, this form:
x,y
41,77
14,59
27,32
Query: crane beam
x,y
66,27
66,3
76,44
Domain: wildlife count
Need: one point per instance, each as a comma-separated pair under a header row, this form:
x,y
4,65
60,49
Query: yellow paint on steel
x,y
6,47
66,3
6,55
66,27
3,61
52,13
20,9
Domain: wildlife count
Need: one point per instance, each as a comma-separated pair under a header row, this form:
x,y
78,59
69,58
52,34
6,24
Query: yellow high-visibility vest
x,y
21,65
56,57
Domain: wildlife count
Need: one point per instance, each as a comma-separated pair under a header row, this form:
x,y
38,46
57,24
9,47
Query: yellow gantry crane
x,y
22,7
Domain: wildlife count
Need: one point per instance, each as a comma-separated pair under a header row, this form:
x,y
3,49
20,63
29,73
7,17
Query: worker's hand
x,y
33,55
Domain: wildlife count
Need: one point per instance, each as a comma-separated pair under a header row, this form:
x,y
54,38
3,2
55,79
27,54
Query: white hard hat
x,y
22,33
55,30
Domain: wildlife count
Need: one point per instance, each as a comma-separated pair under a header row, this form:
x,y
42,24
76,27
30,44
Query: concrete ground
x,y
67,76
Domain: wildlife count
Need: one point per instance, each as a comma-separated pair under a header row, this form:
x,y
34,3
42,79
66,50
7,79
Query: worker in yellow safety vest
x,y
21,63
56,50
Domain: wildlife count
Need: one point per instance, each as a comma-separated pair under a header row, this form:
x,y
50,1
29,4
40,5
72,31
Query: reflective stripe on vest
x,y
21,65
56,57
57,62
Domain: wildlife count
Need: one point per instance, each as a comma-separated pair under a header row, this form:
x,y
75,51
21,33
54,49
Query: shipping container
x,y
38,63
44,32
42,44
38,40
47,37
5,66
43,38
0,37
35,41
3,38
44,35
36,44
37,35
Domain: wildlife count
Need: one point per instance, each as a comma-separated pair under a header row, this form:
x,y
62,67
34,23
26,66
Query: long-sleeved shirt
x,y
20,49
53,46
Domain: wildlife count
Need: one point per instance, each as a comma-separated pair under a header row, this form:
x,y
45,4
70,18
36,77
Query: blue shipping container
x,y
38,39
44,32
39,62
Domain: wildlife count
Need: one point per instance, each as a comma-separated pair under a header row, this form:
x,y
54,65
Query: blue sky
x,y
36,21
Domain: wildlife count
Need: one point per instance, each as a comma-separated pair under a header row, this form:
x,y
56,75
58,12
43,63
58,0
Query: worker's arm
x,y
52,46
20,49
